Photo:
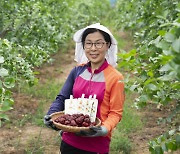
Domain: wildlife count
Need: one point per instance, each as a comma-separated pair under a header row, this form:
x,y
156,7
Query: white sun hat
x,y
80,57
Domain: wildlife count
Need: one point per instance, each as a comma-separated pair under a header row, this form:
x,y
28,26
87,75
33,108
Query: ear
x,y
108,45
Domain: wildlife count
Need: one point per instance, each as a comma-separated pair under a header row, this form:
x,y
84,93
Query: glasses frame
x,y
94,44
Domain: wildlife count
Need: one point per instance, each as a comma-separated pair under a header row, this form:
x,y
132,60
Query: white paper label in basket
x,y
82,105
70,106
94,103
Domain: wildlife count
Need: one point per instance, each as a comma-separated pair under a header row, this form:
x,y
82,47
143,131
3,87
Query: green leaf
x,y
5,108
152,87
163,145
168,77
167,52
178,139
1,59
169,37
151,150
162,32
165,68
171,145
163,45
150,73
177,60
7,105
150,80
133,87
176,45
3,116
143,98
153,143
9,82
7,43
158,150
36,73
156,41
3,72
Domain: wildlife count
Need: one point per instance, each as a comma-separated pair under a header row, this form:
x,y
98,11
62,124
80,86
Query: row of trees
x,y
30,31
155,61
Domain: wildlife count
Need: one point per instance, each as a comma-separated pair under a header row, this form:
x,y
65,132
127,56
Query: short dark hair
x,y
92,30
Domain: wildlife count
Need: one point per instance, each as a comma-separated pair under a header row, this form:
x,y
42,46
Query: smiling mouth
x,y
94,55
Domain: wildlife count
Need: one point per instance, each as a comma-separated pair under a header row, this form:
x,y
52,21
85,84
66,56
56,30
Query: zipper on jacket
x,y
89,86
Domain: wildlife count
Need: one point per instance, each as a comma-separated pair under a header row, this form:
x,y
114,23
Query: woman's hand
x,y
94,132
49,123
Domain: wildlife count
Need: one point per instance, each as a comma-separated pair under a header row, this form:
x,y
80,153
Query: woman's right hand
x,y
49,123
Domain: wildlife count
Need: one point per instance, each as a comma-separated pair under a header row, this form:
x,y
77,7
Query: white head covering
x,y
80,56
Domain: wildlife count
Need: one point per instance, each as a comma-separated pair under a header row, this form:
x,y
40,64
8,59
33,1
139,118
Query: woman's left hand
x,y
94,132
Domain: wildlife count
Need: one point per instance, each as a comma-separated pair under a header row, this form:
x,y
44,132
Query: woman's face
x,y
95,52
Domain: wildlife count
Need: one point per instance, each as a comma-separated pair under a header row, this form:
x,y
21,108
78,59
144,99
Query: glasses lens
x,y
99,45
87,45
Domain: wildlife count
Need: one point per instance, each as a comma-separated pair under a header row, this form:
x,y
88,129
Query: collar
x,y
101,68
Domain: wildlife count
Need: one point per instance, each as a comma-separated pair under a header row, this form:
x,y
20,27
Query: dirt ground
x,y
16,140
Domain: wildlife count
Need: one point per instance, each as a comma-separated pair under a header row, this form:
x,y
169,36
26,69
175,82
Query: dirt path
x,y
150,130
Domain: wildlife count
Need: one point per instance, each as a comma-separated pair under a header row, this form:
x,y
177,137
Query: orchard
x,y
32,32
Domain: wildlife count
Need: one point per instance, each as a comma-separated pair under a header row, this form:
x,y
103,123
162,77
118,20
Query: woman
x,y
96,50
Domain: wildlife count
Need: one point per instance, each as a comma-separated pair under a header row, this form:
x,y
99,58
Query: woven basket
x,y
72,129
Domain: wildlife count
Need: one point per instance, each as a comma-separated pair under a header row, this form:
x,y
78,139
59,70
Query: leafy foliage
x,y
30,31
154,62
167,142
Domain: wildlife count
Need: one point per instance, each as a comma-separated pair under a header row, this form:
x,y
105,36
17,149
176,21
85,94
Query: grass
x,y
45,94
37,119
47,91
37,145
130,122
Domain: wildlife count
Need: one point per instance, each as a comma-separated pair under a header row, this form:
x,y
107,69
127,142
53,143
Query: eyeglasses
x,y
98,45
